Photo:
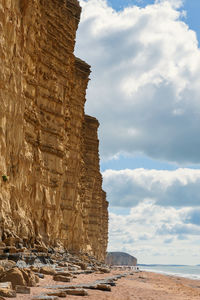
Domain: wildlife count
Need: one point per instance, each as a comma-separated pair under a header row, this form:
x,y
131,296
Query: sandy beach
x,y
139,286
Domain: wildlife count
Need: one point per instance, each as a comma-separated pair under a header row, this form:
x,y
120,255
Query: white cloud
x,y
156,234
145,81
127,188
173,3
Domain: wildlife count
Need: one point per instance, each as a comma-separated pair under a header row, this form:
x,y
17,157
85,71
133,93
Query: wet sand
x,y
139,286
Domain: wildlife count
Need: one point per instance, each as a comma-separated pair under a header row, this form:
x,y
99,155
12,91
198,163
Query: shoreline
x,y
138,286
186,276
175,274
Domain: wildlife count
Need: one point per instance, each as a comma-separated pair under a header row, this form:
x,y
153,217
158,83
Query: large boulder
x,y
19,277
13,275
30,277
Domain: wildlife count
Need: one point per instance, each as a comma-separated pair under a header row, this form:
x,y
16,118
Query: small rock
x,y
47,271
10,241
7,264
64,273
22,289
61,278
40,275
103,287
60,294
104,270
6,285
63,264
77,292
88,271
7,293
45,297
35,269
41,248
12,249
82,265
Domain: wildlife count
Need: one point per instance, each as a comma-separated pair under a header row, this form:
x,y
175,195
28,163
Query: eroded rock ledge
x,y
51,189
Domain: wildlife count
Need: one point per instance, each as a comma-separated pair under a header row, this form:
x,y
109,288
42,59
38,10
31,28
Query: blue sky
x,y
144,90
192,7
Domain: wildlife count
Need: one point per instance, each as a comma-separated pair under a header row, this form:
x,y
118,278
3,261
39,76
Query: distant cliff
x,y
120,259
50,186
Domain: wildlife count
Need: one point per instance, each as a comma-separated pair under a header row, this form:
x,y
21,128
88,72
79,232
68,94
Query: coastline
x,y
139,286
184,271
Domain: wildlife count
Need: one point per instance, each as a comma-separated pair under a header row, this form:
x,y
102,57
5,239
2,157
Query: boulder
x,y
19,277
6,290
13,275
30,277
7,264
47,270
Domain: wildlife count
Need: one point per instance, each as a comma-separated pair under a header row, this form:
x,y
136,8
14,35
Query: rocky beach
x,y
56,274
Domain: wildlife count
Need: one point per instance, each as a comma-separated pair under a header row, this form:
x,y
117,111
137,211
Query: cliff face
x,y
120,259
51,189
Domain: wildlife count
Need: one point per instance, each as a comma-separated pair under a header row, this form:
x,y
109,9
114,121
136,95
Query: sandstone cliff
x,y
51,186
120,259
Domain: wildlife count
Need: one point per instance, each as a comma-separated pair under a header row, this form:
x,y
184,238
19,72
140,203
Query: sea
x,y
192,272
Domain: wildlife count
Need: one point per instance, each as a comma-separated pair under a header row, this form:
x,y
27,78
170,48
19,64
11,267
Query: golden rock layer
x,y
51,189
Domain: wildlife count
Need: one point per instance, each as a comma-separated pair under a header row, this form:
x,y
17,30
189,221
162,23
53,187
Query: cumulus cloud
x,y
145,79
174,3
179,188
155,234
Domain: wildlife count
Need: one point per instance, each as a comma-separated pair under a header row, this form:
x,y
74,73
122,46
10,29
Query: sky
x,y
145,92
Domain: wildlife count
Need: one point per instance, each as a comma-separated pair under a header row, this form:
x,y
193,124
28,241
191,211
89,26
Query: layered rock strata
x,y
51,187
